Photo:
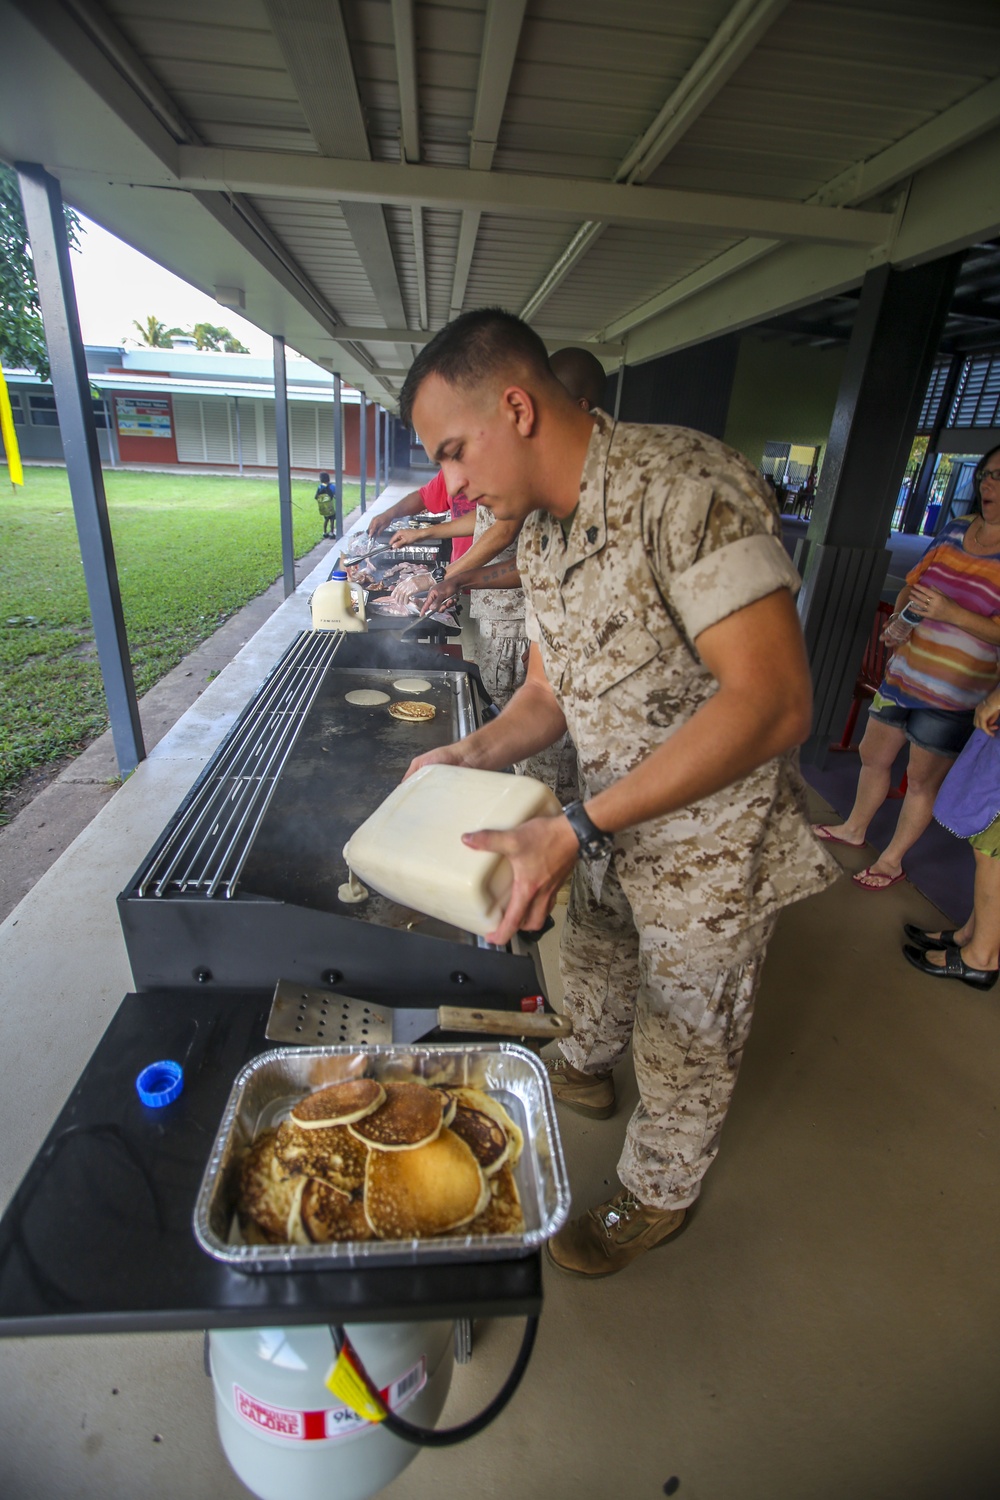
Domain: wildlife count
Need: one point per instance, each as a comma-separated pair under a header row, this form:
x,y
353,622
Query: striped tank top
x,y
941,666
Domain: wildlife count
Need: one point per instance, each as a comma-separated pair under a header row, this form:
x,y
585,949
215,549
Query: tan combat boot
x,y
590,1094
607,1238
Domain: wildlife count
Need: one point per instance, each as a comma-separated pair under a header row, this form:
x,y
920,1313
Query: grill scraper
x,y
308,1017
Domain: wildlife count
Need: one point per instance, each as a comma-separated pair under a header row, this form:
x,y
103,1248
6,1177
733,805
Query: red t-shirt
x,y
434,494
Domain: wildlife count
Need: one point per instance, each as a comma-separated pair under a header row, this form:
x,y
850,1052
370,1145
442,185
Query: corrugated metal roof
x,y
772,101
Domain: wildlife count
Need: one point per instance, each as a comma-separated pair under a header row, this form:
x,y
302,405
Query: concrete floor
x,y
828,1325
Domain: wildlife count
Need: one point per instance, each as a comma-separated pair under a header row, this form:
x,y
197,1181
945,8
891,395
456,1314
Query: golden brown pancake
x,y
332,1154
339,1104
503,1214
478,1099
432,1190
329,1215
268,1194
484,1136
410,712
410,1117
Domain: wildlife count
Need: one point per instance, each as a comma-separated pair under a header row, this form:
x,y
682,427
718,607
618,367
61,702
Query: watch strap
x,y
594,842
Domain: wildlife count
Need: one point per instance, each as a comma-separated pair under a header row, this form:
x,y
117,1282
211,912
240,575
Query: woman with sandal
x,y
971,952
933,680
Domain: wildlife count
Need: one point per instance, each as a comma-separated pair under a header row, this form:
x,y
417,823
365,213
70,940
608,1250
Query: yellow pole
x,y
9,434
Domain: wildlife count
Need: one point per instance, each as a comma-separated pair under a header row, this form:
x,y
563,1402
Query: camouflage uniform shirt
x,y
674,531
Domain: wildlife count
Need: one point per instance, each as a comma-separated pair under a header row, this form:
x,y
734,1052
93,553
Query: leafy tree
x,y
22,337
207,336
154,334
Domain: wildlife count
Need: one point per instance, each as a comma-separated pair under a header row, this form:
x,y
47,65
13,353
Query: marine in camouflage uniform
x,y
673,532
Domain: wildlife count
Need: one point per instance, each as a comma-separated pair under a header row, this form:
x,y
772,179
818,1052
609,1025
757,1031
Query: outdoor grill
x,y
241,889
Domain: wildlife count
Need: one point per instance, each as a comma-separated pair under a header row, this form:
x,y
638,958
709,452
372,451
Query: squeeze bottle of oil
x,y
332,605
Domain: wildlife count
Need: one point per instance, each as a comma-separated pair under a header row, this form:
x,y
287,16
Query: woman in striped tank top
x,y
934,679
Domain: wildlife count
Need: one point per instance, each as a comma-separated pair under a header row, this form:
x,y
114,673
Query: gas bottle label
x,y
324,1425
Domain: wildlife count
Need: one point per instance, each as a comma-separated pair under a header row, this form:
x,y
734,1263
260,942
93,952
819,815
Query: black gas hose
x,y
445,1437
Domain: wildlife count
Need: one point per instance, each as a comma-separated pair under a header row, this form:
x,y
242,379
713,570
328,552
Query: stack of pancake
x,y
363,1160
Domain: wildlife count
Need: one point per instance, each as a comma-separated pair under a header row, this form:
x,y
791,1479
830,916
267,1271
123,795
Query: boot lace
x,y
618,1212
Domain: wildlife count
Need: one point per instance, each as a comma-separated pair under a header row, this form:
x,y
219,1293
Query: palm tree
x,y
153,333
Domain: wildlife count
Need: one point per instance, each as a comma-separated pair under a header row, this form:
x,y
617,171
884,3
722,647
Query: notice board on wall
x,y
144,417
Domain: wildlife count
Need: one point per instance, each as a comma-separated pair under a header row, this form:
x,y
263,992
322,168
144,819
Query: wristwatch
x,y
594,842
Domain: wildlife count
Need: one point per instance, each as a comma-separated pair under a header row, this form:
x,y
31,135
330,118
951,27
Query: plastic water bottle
x,y
901,626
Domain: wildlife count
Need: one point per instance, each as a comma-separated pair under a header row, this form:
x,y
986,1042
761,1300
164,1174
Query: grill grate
x,y
208,848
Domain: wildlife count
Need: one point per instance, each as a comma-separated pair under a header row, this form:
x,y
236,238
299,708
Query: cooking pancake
x,y
268,1195
412,685
485,1137
332,1154
329,1215
478,1099
366,697
503,1213
410,711
338,1104
410,1117
433,1190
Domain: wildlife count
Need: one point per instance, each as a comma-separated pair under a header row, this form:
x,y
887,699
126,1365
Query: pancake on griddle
x,y
332,1154
411,712
485,1137
410,1117
268,1195
329,1215
503,1213
432,1190
486,1104
339,1104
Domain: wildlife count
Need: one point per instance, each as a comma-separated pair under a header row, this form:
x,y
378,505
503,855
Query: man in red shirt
x,y
433,496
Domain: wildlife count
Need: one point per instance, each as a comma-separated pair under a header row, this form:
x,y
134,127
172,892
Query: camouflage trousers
x,y
687,1016
500,649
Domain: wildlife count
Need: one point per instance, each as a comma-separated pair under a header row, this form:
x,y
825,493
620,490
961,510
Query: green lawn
x,y
191,549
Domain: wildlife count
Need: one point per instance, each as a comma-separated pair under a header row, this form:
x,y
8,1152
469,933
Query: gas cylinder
x,y
333,606
284,1432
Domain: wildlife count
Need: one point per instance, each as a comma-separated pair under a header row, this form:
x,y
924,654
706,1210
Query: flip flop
x,y
826,835
954,967
859,879
920,938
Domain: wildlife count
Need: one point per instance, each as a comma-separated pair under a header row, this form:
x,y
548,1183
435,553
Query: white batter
x,y
352,890
412,685
367,697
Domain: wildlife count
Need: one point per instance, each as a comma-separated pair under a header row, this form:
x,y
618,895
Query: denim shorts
x,y
939,731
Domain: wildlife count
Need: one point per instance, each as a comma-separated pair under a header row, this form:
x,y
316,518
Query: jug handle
x,y
357,590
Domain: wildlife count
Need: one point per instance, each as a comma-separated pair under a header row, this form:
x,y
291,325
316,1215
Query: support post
x,y
363,444
378,451
239,434
43,212
896,333
284,464
338,455
386,429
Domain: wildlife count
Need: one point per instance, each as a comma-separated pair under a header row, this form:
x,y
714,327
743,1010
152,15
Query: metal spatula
x,y
316,1018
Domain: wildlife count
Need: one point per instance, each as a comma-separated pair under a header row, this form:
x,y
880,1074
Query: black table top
x,y
99,1238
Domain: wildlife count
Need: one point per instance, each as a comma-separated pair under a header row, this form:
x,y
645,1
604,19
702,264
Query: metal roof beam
x,y
404,37
731,44
949,132
554,339
501,32
313,41
298,176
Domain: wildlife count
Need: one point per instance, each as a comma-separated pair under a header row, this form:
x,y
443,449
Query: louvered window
x,y
929,411
204,429
977,399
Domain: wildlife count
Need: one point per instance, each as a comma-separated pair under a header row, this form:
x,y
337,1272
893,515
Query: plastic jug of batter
x,y
333,605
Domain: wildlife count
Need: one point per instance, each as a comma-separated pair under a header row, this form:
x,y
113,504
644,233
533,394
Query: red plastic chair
x,y
870,675
867,683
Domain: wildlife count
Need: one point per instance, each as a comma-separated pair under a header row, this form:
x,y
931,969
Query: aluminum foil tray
x,y
270,1084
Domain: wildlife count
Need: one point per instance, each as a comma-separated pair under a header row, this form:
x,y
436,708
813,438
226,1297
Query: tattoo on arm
x,y
501,576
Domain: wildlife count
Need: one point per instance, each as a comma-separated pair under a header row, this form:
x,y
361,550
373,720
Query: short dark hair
x,y
470,349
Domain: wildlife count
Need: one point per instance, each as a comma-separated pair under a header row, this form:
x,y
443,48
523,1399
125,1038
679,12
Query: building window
x,y
42,410
977,400
16,409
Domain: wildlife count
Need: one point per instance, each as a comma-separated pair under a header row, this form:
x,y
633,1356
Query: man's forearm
x,y
495,576
490,544
530,722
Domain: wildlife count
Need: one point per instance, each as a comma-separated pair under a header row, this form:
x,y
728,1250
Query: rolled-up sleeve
x,y
729,579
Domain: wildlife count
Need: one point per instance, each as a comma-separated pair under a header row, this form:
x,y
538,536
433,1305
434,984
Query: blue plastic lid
x,y
338,573
160,1084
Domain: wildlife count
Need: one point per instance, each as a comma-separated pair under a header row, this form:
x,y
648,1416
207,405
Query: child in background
x,y
326,499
